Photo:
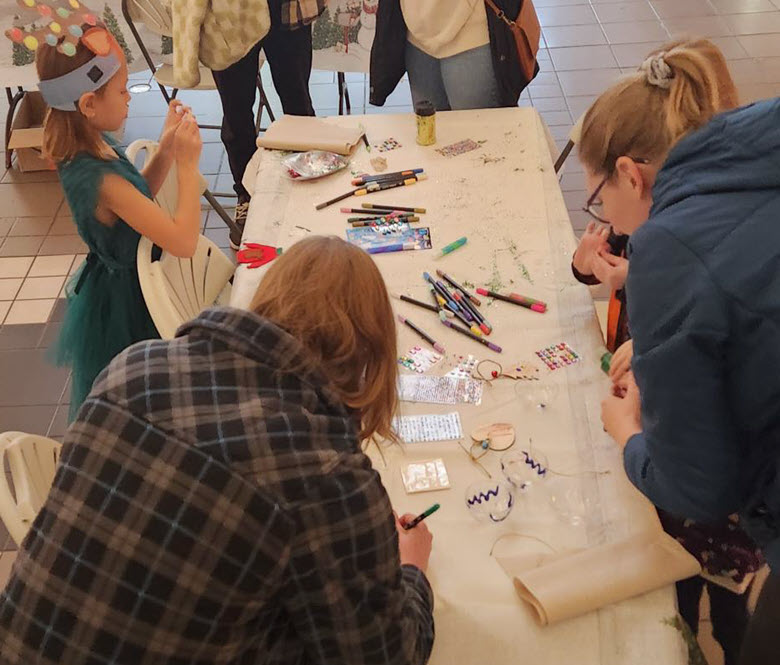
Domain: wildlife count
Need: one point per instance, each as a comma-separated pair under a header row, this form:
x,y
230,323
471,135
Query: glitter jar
x,y
426,123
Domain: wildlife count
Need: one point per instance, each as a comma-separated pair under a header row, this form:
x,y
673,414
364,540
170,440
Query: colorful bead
x,y
30,42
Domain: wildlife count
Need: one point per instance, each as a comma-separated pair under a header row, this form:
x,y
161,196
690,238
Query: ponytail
x,y
676,90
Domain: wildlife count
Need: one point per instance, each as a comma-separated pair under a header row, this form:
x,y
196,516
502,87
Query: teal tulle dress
x,y
106,311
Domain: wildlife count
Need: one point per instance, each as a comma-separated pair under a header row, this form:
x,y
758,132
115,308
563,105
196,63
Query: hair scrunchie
x,y
657,71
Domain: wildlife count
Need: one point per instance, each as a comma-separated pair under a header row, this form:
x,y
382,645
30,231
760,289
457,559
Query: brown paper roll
x,y
300,133
561,586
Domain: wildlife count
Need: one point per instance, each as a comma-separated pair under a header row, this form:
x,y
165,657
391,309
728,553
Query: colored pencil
x,y
477,338
374,206
422,334
455,285
516,299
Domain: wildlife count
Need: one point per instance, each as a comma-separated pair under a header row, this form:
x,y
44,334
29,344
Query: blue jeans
x,y
462,81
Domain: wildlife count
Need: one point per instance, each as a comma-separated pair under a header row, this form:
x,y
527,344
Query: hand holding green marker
x,y
421,517
453,246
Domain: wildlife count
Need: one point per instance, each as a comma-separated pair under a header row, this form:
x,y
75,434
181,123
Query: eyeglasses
x,y
593,205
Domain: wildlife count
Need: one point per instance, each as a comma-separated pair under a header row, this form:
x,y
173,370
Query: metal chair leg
x,y
343,94
221,212
13,101
564,154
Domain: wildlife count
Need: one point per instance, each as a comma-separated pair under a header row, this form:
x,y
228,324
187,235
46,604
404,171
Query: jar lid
x,y
424,108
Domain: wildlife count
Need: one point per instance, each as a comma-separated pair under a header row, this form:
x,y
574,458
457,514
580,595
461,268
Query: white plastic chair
x,y
156,17
177,290
574,139
32,461
168,195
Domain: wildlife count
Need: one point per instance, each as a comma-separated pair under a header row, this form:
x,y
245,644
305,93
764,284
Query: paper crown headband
x,y
64,31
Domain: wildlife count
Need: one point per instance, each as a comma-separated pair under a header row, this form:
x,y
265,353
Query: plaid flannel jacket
x,y
296,13
213,506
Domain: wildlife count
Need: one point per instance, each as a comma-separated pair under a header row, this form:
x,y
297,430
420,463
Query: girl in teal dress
x,y
111,202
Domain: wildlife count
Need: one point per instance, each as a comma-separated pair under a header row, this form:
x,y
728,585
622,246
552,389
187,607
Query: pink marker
x,y
530,303
422,334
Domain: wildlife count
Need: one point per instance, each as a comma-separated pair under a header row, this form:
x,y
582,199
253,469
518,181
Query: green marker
x,y
454,245
422,516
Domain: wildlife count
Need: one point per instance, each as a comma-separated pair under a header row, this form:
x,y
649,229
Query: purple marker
x,y
468,333
422,334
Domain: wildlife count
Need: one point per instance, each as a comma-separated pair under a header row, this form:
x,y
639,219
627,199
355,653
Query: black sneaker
x,y
242,210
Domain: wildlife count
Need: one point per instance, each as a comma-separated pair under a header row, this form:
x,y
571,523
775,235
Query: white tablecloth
x,y
505,198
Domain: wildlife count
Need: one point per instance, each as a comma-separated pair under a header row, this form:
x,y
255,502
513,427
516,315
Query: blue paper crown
x,y
64,92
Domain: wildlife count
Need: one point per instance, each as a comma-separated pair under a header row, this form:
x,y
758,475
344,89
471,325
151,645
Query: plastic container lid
x,y
424,108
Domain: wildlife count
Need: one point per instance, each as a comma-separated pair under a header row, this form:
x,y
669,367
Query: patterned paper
x,y
439,389
415,429
458,148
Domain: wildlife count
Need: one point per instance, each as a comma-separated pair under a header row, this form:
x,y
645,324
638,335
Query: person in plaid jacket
x,y
213,505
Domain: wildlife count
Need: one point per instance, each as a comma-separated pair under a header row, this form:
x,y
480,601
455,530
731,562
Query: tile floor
x,y
587,45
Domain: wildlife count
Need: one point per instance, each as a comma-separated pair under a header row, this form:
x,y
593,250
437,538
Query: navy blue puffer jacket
x,y
704,311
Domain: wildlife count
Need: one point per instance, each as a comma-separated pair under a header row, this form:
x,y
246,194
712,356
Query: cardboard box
x,y
27,134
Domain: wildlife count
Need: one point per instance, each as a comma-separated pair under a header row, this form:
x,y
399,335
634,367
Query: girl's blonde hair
x,y
66,133
678,89
330,295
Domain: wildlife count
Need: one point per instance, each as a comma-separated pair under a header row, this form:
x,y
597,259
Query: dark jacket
x,y
388,53
213,505
704,305
617,317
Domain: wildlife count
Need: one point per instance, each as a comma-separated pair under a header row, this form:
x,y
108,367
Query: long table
x,y
505,198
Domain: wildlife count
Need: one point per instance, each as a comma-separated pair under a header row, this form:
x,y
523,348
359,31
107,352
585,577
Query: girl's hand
x,y
593,241
610,269
187,143
621,411
176,113
621,361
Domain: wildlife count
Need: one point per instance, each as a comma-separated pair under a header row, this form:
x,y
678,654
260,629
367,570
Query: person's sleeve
x,y
590,280
686,460
349,598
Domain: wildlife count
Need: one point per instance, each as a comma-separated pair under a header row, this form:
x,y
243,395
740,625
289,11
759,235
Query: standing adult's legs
x,y
425,79
729,616
688,599
470,80
289,54
762,639
237,86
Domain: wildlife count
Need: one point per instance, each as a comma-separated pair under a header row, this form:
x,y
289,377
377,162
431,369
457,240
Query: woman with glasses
x,y
679,89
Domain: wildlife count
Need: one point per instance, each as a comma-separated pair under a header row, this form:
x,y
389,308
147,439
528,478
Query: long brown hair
x,y
636,117
330,295
66,133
